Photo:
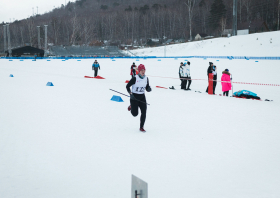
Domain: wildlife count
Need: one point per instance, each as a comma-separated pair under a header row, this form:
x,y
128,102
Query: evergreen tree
x,y
116,4
129,9
144,9
217,12
156,6
104,7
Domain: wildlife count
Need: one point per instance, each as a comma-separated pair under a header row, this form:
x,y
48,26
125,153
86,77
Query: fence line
x,y
155,57
247,83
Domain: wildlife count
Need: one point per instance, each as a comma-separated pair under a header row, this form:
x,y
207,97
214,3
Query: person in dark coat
x,y
180,76
133,70
188,64
212,69
185,74
95,67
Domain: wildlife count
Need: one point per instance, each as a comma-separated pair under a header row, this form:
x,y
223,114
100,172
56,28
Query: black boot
x,y
171,87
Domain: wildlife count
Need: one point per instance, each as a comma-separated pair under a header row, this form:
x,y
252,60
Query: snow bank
x,y
259,44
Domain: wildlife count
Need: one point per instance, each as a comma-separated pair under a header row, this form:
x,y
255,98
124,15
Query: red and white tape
x,y
256,84
275,85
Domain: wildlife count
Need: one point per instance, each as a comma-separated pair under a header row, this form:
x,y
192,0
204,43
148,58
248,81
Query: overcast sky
x,y
20,9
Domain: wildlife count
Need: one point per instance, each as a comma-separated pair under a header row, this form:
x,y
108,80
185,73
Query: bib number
x,y
140,89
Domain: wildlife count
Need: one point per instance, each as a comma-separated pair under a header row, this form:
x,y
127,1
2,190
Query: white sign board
x,y
242,32
139,188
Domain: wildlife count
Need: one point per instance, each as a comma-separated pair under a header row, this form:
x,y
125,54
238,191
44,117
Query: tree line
x,y
132,22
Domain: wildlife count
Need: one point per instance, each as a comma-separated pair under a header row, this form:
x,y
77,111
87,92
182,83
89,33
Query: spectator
x,y
181,65
185,75
226,82
95,67
133,70
188,67
212,69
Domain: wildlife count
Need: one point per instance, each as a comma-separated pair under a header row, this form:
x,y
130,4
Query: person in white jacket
x,y
186,75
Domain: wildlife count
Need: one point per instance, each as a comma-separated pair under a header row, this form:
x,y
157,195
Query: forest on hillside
x,y
132,22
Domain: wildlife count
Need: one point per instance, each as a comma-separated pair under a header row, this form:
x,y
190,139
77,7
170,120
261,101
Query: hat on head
x,y
227,70
140,67
210,63
181,63
189,62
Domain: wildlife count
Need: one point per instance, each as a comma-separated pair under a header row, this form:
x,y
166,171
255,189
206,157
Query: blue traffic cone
x,y
49,84
117,98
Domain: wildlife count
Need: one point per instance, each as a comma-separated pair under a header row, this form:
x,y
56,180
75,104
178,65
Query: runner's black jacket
x,y
132,82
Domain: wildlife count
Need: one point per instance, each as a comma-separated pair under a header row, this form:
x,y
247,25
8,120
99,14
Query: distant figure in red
x,y
226,86
133,70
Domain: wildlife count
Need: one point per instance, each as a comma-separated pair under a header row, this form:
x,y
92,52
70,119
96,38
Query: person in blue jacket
x,y
95,67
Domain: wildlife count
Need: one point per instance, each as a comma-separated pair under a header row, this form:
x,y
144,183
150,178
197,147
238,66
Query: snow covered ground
x,y
259,44
71,140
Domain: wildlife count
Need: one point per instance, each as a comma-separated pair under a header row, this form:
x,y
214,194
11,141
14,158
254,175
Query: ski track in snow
x,y
71,140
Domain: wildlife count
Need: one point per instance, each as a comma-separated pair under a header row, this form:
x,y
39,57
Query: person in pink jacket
x,y
226,86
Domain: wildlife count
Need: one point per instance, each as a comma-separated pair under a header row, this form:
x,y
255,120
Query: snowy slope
x,y
72,141
259,44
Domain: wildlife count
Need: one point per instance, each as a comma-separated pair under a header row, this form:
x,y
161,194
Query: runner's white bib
x,y
140,85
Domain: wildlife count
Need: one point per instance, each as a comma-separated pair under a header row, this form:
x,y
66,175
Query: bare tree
x,y
172,23
190,5
248,4
21,34
223,24
278,14
87,28
240,10
75,27
171,18
30,26
55,24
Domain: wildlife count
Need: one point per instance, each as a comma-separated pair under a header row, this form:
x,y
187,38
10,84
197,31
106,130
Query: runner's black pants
x,y
139,103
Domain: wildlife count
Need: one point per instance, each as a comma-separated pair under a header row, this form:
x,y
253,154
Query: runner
x,y
139,84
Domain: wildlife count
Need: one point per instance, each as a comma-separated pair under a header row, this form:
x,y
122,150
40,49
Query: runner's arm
x,y
130,83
